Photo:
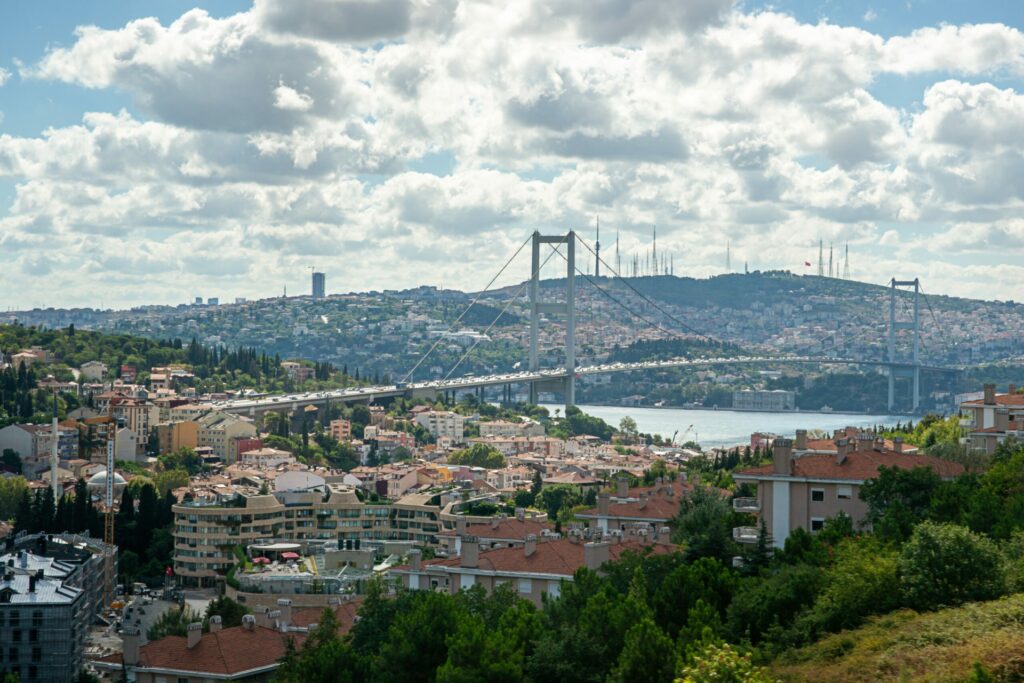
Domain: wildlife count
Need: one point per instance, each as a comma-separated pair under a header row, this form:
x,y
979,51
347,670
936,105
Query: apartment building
x,y
33,442
653,507
341,430
206,529
536,568
44,624
78,561
174,435
498,532
764,400
507,428
443,424
222,432
802,492
992,419
251,652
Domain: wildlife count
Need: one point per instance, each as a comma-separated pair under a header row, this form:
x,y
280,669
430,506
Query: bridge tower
x,y
905,369
567,309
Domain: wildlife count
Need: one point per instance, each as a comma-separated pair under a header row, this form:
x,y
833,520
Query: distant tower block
x,y
319,285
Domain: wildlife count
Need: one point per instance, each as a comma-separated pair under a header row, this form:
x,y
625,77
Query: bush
x,y
947,565
863,581
721,663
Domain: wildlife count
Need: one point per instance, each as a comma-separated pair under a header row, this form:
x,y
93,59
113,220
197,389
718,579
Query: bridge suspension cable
x,y
620,303
643,296
508,305
476,299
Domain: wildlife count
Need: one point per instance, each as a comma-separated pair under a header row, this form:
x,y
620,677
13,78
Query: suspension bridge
x,y
562,380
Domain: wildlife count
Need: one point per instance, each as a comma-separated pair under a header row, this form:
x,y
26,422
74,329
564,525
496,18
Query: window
x,y
844,492
817,523
525,586
818,495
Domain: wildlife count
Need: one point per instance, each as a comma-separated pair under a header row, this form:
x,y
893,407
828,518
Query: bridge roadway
x,y
289,402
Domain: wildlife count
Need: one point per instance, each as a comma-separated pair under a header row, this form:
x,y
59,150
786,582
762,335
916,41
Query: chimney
x,y
248,622
470,552
801,440
897,444
284,605
530,546
864,441
843,448
494,522
130,640
643,502
782,456
1011,388
603,503
31,583
990,394
460,525
1002,419
275,618
664,535
195,634
622,487
416,559
521,514
595,555
216,623
262,617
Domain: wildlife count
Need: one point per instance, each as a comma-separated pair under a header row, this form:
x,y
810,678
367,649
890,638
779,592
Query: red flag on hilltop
x,y
807,263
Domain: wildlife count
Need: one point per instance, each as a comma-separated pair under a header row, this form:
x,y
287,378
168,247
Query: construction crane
x,y
685,432
108,509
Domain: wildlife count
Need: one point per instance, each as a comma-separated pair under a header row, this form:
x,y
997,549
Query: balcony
x,y
967,422
745,534
746,505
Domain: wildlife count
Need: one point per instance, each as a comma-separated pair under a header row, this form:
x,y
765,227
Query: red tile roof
x,y
509,528
858,466
829,445
561,556
1001,400
226,652
344,612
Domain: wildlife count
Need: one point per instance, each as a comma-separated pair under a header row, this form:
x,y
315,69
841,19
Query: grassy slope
x,y
906,646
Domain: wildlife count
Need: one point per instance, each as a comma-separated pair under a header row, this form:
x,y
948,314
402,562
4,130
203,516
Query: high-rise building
x,y
319,285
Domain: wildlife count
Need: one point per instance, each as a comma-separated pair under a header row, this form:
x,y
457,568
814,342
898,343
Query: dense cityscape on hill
x,y
384,334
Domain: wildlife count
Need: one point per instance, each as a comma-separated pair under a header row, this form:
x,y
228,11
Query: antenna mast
x,y
821,258
846,263
597,250
728,256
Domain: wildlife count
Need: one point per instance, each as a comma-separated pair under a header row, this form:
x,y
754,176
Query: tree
x,y
945,565
627,426
647,655
766,602
12,489
559,497
703,525
173,622
478,455
229,611
11,461
898,499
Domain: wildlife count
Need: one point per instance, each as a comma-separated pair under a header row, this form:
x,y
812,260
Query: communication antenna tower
x,y
846,263
728,256
821,258
830,259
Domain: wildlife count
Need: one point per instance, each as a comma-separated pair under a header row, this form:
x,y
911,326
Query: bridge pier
x,y
914,370
568,309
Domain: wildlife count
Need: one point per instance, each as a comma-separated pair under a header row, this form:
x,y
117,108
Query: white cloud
x,y
291,99
5,75
310,128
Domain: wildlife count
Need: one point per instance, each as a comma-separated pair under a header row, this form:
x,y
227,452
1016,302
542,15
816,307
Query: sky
x,y
151,152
